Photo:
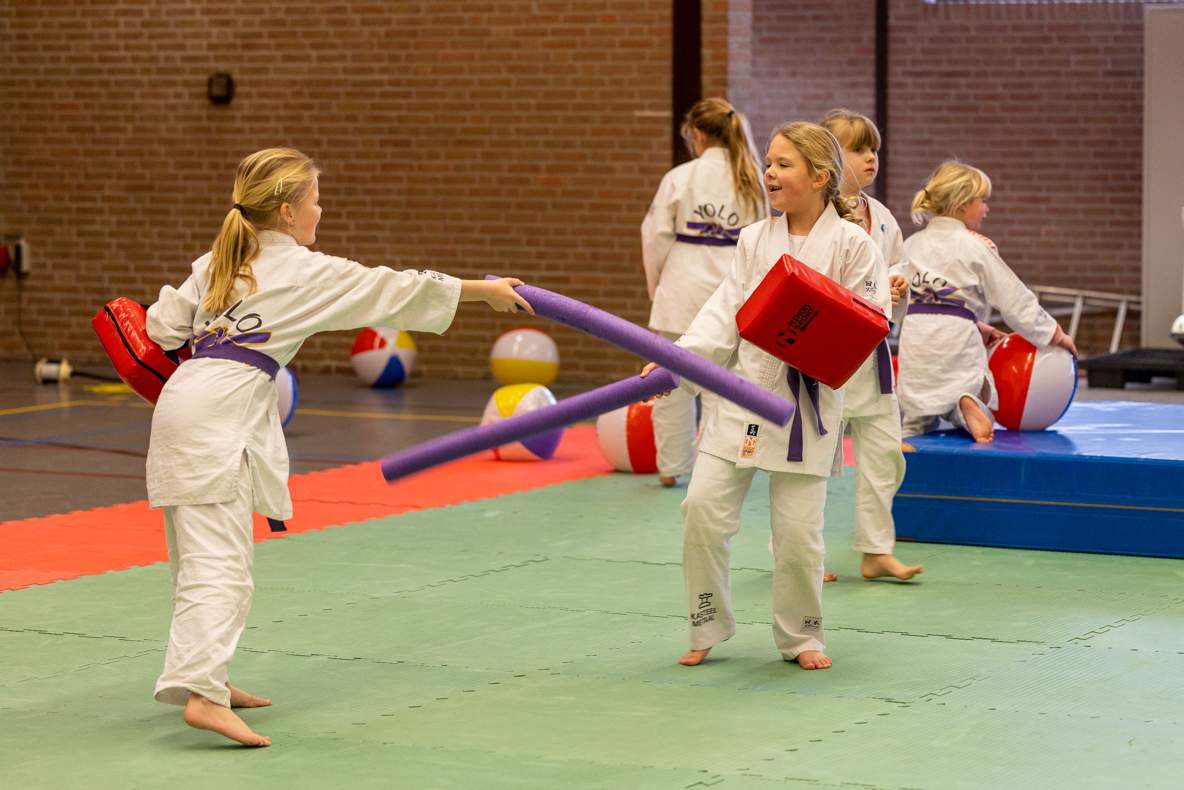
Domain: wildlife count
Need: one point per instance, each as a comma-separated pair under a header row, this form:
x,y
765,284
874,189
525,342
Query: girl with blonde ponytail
x,y
266,182
870,406
687,240
217,450
954,278
803,166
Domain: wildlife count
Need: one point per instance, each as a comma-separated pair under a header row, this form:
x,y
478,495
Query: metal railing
x,y
1077,302
1074,302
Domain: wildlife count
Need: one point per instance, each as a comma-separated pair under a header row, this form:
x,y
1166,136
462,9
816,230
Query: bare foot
x,y
693,658
243,699
667,482
982,427
827,576
812,659
202,714
875,566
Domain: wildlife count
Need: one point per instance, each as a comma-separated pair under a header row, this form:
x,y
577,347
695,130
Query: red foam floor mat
x,y
68,545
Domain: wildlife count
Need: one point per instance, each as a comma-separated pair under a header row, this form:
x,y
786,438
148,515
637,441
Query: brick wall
x,y
808,57
517,137
714,54
526,138
1046,99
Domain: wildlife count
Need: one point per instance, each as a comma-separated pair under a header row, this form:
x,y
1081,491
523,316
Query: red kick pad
x,y
810,322
141,363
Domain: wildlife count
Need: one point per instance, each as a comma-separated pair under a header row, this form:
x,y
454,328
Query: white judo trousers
x,y
674,428
879,471
711,516
874,418
211,550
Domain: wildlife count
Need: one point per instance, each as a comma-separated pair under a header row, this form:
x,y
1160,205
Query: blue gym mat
x,y
1108,478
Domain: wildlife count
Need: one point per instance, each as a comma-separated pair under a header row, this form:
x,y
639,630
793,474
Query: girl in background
x,y
687,241
870,406
955,277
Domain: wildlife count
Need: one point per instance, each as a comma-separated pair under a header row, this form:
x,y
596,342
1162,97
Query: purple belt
x,y
796,379
939,308
208,347
884,366
710,241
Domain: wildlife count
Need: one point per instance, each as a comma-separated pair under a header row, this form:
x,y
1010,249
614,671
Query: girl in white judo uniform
x,y
217,451
804,164
687,240
954,277
870,406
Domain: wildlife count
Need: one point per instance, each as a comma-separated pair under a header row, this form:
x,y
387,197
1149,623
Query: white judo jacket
x,y
688,237
212,411
835,247
942,357
861,393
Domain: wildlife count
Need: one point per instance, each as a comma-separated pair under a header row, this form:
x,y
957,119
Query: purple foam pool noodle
x,y
565,412
646,344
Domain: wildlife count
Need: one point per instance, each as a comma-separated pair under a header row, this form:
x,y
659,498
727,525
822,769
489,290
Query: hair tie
x,y
240,208
731,113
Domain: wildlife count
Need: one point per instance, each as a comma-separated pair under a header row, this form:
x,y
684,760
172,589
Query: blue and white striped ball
x,y
383,357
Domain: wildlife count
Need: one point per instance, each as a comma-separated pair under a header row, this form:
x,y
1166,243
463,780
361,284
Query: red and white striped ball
x,y
1035,385
626,437
382,357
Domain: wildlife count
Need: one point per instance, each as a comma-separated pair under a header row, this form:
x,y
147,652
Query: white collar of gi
x,y
949,223
269,238
715,152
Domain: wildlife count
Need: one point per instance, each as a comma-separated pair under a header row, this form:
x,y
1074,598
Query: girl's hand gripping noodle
x,y
649,346
140,362
811,323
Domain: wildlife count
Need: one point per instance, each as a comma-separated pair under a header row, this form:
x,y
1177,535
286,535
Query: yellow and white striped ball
x,y
524,356
515,399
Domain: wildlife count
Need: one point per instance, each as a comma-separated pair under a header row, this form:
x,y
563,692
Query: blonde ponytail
x,y
722,125
265,181
951,186
236,246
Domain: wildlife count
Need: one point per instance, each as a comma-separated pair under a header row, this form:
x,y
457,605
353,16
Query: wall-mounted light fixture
x,y
220,87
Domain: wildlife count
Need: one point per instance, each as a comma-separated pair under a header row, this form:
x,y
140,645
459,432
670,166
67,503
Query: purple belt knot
x,y
796,379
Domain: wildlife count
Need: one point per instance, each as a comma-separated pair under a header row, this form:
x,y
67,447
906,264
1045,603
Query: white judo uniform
x,y
687,241
217,450
736,442
955,277
874,417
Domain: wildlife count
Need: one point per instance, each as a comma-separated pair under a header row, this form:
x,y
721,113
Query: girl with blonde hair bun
x,y
687,240
870,405
803,165
954,276
217,450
